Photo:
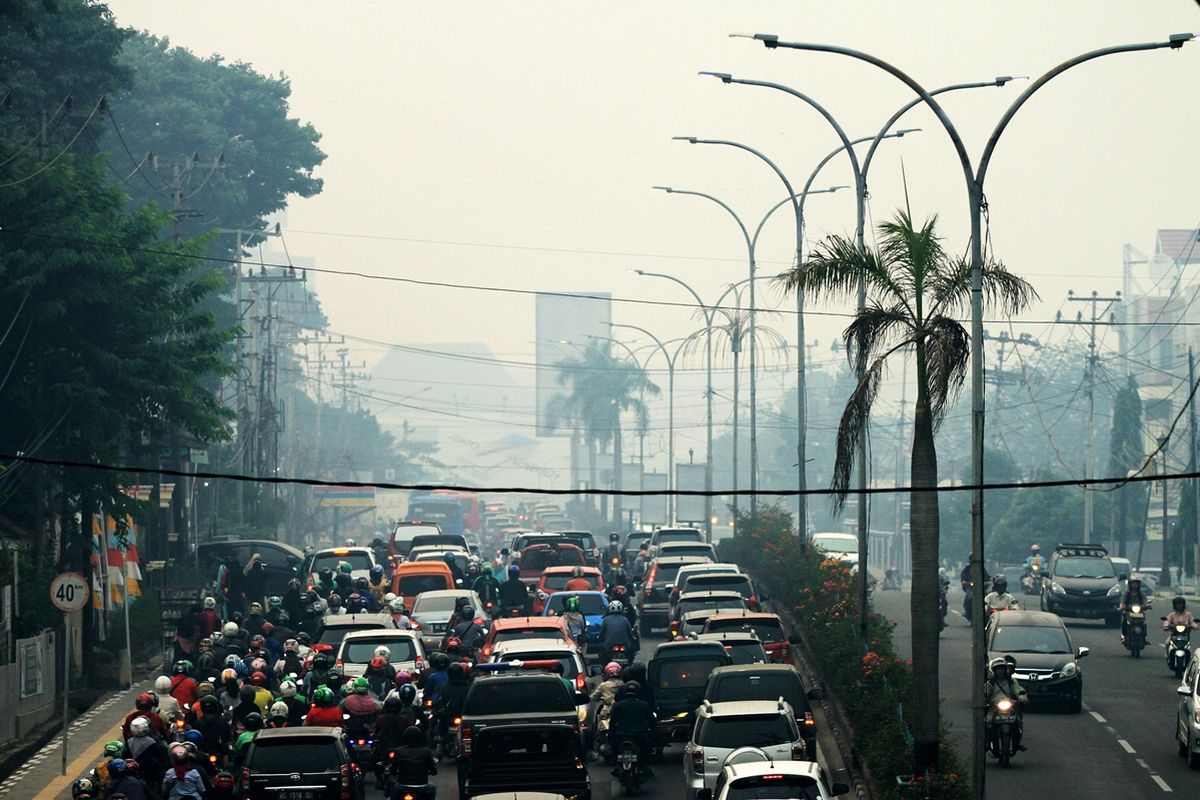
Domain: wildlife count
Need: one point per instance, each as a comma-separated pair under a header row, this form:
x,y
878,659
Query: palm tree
x,y
915,291
602,388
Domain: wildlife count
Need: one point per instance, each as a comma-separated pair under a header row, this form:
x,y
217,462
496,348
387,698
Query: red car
x,y
554,579
537,558
507,629
768,628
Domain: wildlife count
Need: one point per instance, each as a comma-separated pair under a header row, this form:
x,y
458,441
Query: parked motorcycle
x,y
1002,724
1179,648
1135,629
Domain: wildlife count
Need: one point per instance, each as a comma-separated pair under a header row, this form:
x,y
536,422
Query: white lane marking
x,y
1161,783
1126,745
1097,717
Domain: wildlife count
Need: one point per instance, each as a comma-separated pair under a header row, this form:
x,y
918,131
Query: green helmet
x,y
274,601
571,603
486,566
344,567
114,749
361,686
323,695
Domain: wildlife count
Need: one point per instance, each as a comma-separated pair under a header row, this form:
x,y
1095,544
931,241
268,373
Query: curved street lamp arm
x,y
803,194
657,341
632,353
721,203
707,311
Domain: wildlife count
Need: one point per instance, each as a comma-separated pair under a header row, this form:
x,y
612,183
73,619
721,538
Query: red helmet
x,y
258,679
378,662
144,702
612,670
453,643
267,629
402,677
619,591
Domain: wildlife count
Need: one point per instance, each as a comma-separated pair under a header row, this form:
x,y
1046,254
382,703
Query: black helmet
x,y
440,661
412,736
1000,584
1178,603
467,612
455,669
246,694
304,638
392,704
209,704
254,721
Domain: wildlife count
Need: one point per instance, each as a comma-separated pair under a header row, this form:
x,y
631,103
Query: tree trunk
x,y
593,475
926,620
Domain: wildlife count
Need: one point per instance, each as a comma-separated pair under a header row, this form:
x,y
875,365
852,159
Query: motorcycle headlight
x,y
1004,706
1135,609
1070,670
1056,588
1115,590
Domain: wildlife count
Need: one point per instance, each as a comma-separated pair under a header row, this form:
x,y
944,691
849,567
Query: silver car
x,y
1187,718
722,728
432,611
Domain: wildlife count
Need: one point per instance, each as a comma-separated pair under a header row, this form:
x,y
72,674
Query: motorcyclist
x,y
370,603
143,706
1035,552
355,604
325,585
333,605
289,695
455,573
86,788
964,578
290,662
486,586
208,621
615,629
212,727
413,764
123,782
167,705
233,640
999,598
605,694
254,620
621,595
113,750
247,705
316,676
1000,684
343,579
576,623
362,708
578,583
148,749
470,631
632,719
400,617
379,675
377,584
292,602
388,732
1134,596
514,593
452,697
183,686
433,681
617,578
324,710
1179,616
253,724
279,716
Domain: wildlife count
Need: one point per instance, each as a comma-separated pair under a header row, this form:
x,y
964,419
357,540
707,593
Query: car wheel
x,y
1075,704
1194,760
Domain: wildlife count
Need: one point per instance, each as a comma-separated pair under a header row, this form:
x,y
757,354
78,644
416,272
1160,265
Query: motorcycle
x,y
408,792
1031,583
891,580
620,654
1179,648
491,609
944,602
1135,629
967,587
629,772
1001,730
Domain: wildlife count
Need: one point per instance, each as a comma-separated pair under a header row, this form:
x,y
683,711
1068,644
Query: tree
x,y
915,291
1125,454
602,388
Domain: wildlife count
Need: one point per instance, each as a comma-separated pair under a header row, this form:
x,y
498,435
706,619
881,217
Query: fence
x,y
29,687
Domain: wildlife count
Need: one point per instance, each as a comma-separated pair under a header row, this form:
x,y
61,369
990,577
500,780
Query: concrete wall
x,y
35,669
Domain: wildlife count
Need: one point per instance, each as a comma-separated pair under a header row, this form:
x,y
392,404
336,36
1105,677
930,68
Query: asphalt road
x,y
1122,741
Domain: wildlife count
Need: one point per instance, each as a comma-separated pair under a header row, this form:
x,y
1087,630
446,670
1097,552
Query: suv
x,y
701,600
767,627
653,599
300,762
535,760
357,648
334,628
677,675
281,561
360,559
432,611
1082,582
508,694
743,646
722,728
687,549
725,582
766,682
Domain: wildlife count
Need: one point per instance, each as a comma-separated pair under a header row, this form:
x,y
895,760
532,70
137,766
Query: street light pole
x,y
974,180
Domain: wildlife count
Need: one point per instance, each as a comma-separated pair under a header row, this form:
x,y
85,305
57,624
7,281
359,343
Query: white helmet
x,y
287,689
279,709
210,603
398,605
162,684
230,630
389,597
383,652
140,726
615,607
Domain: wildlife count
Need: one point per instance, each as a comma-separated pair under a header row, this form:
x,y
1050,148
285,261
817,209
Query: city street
x,y
1122,740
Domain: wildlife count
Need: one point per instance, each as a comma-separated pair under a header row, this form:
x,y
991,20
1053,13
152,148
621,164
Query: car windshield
x,y
760,730
689,549
282,756
526,633
1073,567
768,686
532,696
836,545
361,651
774,787
768,630
714,583
590,605
747,653
686,673
461,559
585,541
437,604
680,536
357,560
440,513
555,581
570,668
688,605
335,633
415,584
1030,639
544,557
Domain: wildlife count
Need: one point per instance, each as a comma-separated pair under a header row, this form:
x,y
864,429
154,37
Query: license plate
x,y
627,758
296,794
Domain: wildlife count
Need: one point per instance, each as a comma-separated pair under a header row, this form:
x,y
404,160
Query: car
x,y
282,562
592,605
403,534
767,627
664,535
695,569
411,578
725,582
677,674
334,627
653,597
451,541
555,578
722,728
1082,582
462,559
515,694
310,763
537,557
361,559
525,538
1187,721
565,653
842,546
584,540
1047,664
687,549
515,759
710,602
743,646
507,629
432,611
357,648
634,541
762,777
767,682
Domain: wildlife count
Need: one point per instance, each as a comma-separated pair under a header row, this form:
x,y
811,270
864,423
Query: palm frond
x,y
852,428
872,329
832,272
947,352
1003,291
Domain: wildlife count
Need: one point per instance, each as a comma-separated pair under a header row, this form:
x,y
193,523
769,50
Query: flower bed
x,y
873,686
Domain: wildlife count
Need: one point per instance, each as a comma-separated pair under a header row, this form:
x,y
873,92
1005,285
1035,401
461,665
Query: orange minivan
x,y
410,578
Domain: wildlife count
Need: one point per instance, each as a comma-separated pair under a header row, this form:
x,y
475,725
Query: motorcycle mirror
x,y
1184,691
839,788
1164,619
345,716
1082,651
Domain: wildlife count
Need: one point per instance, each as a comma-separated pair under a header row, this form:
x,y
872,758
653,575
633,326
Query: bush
x,y
872,682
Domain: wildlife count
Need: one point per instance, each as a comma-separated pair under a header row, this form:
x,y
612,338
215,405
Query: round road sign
x,y
69,591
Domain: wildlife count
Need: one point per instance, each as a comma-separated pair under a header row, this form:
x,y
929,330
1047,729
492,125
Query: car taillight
x,y
416,626
339,663
346,782
456,721
419,664
245,783
809,722
580,682
753,601
650,578
465,736
799,752
698,760
487,651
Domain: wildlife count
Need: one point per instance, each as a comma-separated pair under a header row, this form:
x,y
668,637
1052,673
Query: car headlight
x,y
1115,590
1070,670
1056,588
1196,714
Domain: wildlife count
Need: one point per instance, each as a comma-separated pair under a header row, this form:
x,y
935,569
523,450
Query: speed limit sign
x,y
69,591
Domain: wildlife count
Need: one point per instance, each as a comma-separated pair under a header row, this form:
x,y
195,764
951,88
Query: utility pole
x,y
1195,532
998,377
1164,576
1089,458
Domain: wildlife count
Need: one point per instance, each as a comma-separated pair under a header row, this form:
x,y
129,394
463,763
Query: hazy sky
x,y
514,144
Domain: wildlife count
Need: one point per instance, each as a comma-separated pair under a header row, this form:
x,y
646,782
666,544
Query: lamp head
x,y
666,189
639,272
724,76
1003,79
691,139
1177,40
900,133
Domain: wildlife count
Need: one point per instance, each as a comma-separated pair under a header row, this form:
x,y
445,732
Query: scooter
x,y
891,580
1135,629
629,772
944,603
1179,648
1002,724
1031,583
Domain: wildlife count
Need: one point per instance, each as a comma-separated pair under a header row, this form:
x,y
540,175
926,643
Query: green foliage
x,y
1125,454
145,626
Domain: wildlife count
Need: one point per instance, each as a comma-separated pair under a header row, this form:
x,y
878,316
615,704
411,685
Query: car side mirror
x,y
1124,576
763,597
1184,691
816,693
1082,651
839,788
793,640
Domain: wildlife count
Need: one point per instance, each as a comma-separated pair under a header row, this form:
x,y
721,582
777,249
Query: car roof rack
x,y
1081,549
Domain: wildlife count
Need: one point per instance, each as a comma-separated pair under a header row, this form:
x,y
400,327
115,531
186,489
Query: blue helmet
x,y
514,571
377,572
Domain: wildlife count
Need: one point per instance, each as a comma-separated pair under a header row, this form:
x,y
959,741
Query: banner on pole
x,y
655,508
689,478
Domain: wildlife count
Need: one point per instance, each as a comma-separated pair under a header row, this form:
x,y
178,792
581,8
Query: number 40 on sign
x,y
69,592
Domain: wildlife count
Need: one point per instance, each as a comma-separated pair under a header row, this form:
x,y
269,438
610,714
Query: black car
x,y
281,561
300,764
677,675
1047,664
512,696
527,758
1082,582
766,682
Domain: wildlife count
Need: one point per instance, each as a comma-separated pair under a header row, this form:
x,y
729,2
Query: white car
x,y
405,650
722,728
360,559
763,777
842,546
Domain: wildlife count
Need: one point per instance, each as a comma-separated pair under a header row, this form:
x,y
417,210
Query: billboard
x,y
564,326
655,508
689,478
